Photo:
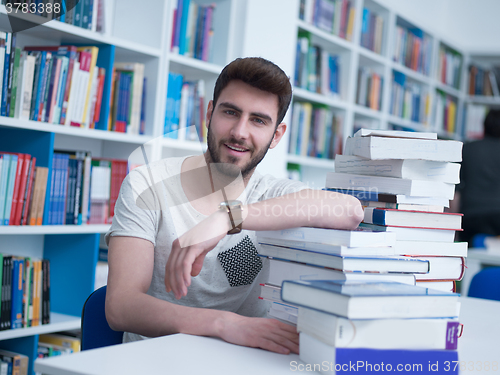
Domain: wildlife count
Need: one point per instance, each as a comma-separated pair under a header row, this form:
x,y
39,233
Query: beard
x,y
229,168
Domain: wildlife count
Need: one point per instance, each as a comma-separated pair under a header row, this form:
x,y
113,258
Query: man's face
x,y
242,127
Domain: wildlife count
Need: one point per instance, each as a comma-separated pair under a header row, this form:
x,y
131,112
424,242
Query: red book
x,y
28,195
17,184
100,89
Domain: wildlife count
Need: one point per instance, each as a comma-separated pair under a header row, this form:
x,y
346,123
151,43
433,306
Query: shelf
x,y
193,67
74,131
67,34
59,322
368,54
53,229
367,112
331,38
331,101
448,89
311,161
486,100
410,73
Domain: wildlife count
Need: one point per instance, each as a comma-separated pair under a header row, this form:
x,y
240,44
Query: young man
x,y
182,250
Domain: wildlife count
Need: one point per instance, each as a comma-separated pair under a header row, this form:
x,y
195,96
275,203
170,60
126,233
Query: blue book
x,y
64,161
370,300
78,14
54,176
182,31
37,86
328,359
10,188
365,27
16,315
4,177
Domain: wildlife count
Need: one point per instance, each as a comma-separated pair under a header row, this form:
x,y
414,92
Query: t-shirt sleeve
x,y
136,210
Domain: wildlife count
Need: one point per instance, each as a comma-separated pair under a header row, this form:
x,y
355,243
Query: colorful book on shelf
x,y
280,270
12,177
16,315
18,362
61,340
413,219
412,169
135,92
333,360
45,300
390,185
37,205
402,148
367,263
370,300
5,318
4,184
351,238
379,333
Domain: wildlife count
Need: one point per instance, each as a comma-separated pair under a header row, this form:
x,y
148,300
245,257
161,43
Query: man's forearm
x,y
313,208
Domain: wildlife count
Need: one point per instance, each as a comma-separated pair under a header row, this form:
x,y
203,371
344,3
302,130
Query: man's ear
x,y
210,109
278,134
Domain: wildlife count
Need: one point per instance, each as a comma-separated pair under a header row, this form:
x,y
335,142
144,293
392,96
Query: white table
x,y
184,354
475,261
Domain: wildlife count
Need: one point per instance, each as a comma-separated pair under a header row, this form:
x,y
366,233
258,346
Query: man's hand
x,y
268,334
189,251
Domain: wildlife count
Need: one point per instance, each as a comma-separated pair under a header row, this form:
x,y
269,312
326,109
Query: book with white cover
x,y
411,169
431,248
390,185
442,268
403,206
327,248
394,133
280,270
443,285
352,238
283,312
414,219
348,263
379,333
404,148
415,234
370,300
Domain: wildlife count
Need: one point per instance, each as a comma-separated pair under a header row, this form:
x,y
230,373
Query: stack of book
x,y
405,180
374,326
330,254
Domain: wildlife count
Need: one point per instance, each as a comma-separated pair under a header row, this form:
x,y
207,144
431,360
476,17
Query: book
x,y
411,169
404,148
330,360
403,206
61,340
415,234
370,300
284,312
16,316
390,185
280,270
379,333
394,133
442,268
375,196
413,219
360,237
431,248
327,248
19,361
347,263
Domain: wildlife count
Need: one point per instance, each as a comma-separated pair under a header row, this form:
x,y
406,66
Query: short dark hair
x,y
492,123
261,74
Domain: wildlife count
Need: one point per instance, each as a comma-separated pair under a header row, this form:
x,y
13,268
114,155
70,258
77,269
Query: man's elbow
x,y
115,315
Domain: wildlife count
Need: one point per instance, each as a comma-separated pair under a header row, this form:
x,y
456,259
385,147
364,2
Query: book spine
x,y
5,85
17,294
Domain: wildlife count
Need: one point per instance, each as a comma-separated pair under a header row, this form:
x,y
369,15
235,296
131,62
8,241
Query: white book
x,y
26,84
360,237
348,263
280,270
403,206
418,219
442,268
411,169
443,285
75,82
379,333
93,95
285,316
431,248
394,133
404,148
390,185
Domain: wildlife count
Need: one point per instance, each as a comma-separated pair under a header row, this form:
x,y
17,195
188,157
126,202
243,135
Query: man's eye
x,y
260,121
229,112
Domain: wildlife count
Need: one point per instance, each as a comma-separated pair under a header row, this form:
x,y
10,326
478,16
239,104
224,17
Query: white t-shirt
x,y
232,271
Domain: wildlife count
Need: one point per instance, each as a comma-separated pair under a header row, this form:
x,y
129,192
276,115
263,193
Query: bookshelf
x,y
131,35
423,80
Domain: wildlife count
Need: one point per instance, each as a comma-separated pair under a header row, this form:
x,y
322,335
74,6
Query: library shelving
x,y
423,77
132,35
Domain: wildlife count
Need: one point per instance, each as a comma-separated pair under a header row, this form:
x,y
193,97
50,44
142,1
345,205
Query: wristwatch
x,y
234,209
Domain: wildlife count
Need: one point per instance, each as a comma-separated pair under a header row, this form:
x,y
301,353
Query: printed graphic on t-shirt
x,y
241,264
